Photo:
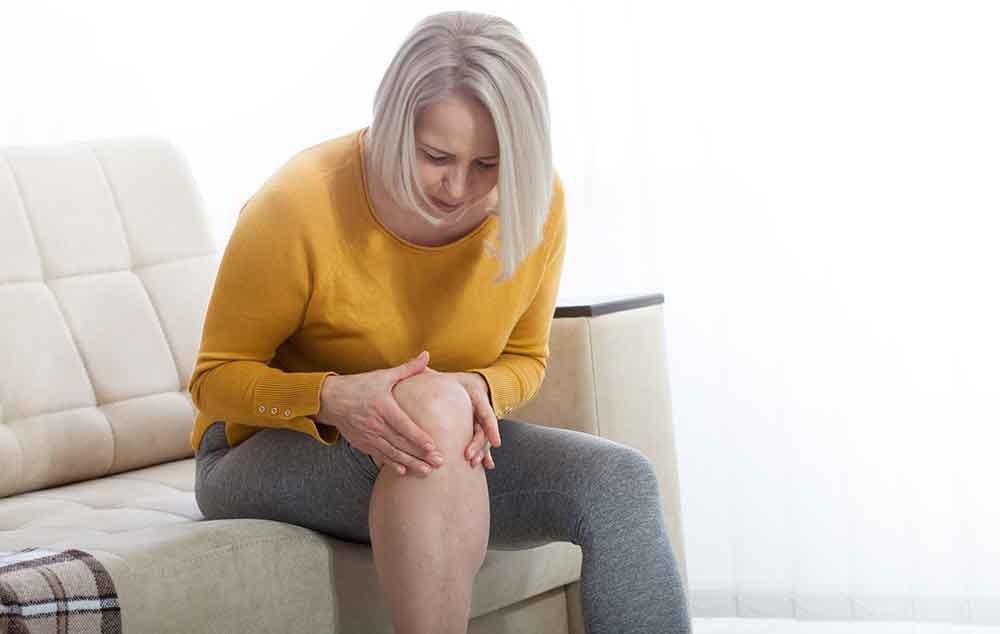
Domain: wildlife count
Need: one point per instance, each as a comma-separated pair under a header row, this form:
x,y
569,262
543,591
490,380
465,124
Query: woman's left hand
x,y
484,420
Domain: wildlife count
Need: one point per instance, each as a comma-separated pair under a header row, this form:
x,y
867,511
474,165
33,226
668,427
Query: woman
x,y
368,253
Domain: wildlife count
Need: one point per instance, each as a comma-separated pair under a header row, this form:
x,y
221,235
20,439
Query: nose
x,y
455,183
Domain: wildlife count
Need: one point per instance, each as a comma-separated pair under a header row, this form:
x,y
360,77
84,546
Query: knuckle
x,y
410,384
374,435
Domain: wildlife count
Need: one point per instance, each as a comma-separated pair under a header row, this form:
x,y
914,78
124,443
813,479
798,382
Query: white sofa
x,y
106,267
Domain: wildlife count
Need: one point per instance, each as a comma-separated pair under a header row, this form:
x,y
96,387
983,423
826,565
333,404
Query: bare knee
x,y
441,407
439,402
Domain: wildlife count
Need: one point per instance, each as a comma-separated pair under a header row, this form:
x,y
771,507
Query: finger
x,y
488,461
478,441
488,419
376,453
479,446
481,456
402,424
480,459
492,427
415,365
400,457
432,460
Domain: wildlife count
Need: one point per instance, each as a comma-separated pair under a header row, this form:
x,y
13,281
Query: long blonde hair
x,y
483,57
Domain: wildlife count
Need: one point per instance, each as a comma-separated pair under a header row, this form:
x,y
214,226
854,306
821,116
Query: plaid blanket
x,y
67,591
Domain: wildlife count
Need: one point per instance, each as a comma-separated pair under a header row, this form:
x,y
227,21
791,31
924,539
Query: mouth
x,y
444,206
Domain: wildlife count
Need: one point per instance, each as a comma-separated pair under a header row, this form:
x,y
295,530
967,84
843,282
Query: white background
x,y
813,186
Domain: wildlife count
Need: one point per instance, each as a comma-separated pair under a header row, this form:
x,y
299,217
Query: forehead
x,y
459,126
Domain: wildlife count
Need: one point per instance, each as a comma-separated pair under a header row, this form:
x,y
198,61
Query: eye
x,y
444,159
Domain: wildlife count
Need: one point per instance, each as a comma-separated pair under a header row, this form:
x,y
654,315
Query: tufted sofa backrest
x,y
106,268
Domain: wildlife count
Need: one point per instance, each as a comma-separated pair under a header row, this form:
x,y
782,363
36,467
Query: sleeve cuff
x,y
504,388
282,396
293,398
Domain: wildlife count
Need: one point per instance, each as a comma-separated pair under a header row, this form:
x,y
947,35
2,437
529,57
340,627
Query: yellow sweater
x,y
312,284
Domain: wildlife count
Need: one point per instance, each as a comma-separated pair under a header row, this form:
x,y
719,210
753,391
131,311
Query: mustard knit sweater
x,y
312,284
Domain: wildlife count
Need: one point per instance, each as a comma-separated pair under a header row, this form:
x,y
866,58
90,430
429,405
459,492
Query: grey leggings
x,y
549,485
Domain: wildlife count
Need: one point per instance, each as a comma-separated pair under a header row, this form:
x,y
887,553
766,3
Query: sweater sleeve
x,y
516,375
265,280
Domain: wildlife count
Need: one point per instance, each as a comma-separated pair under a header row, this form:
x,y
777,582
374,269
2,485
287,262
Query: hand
x,y
364,410
484,420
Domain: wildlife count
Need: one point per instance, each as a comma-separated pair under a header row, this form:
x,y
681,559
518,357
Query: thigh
x,y
545,480
287,476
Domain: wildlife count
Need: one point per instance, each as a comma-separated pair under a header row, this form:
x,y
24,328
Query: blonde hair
x,y
483,57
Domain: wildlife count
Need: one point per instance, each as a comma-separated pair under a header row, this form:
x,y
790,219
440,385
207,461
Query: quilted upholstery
x,y
106,267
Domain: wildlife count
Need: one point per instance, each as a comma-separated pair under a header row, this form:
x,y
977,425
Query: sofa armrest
x,y
607,376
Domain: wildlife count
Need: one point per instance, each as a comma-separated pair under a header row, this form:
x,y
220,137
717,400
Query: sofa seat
x,y
175,571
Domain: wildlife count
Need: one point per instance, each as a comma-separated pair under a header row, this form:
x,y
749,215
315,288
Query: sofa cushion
x,y
175,571
106,268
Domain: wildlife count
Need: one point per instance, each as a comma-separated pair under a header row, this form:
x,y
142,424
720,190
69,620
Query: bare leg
x,y
429,533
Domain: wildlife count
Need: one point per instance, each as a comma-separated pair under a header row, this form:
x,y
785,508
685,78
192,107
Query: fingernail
x,y
438,460
425,469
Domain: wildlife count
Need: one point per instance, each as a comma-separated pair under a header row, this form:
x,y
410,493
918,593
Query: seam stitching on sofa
x,y
19,478
593,374
170,486
90,377
221,551
106,508
142,283
27,215
211,254
114,439
96,405
163,331
114,200
138,268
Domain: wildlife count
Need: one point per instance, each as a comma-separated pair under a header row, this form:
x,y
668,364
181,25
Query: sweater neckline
x,y
362,182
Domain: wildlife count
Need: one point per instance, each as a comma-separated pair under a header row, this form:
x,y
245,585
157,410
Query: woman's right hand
x,y
364,410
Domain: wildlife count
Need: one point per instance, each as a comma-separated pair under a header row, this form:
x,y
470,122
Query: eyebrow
x,y
428,145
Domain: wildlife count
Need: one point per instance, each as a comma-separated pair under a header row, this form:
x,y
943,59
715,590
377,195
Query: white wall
x,y
240,87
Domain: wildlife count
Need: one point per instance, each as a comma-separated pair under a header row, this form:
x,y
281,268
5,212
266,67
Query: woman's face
x,y
457,154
